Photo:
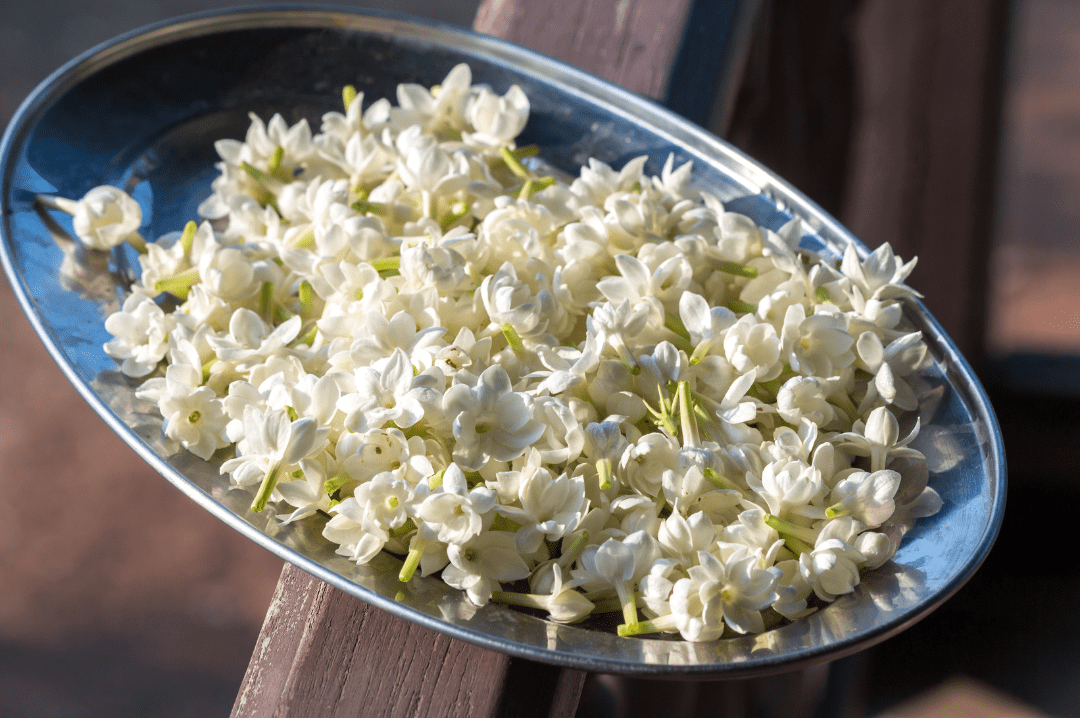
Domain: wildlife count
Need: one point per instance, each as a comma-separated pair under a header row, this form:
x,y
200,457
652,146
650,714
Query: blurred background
x,y
120,597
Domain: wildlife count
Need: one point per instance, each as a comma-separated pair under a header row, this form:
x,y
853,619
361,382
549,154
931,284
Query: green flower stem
x,y
412,561
628,601
656,625
435,480
675,324
721,481
259,176
180,284
786,554
603,467
700,352
526,151
404,530
836,510
265,489
739,270
627,358
842,400
305,298
514,164
282,314
307,337
63,204
532,186
387,266
741,307
666,416
266,301
571,554
796,546
137,242
275,161
206,369
456,212
348,94
802,533
513,339
305,240
366,207
823,295
187,239
525,600
331,485
690,436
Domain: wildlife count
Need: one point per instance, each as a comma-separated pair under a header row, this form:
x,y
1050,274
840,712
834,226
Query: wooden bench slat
x,y
322,652
632,44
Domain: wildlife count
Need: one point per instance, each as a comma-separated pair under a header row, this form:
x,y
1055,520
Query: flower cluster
x,y
609,388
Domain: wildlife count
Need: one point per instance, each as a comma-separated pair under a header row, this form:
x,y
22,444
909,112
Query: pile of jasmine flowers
x,y
601,395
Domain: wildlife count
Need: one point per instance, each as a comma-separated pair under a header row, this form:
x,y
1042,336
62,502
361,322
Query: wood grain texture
x,y
322,652
632,43
924,153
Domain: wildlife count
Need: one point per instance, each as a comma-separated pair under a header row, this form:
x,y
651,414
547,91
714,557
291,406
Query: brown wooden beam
x,y
322,652
629,42
925,146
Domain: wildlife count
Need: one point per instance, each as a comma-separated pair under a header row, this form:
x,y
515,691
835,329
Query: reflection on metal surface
x,y
143,113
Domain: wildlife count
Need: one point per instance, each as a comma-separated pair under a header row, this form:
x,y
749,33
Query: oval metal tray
x,y
142,112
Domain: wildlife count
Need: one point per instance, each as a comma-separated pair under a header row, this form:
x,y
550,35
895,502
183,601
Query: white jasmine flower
x,y
453,514
805,398
497,120
385,500
832,568
865,497
789,487
194,416
141,330
385,391
491,421
683,539
563,439
307,494
272,443
717,593
890,365
480,564
880,275
879,438
511,301
753,346
104,218
818,345
550,508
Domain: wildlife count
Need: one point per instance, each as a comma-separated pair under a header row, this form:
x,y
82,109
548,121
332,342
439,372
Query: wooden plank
x,y
632,43
322,652
887,114
924,153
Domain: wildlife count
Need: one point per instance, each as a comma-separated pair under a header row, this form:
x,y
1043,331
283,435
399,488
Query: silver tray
x,y
142,112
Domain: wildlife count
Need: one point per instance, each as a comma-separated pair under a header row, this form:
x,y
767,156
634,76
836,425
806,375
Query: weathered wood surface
x,y
322,652
923,170
632,43
888,115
